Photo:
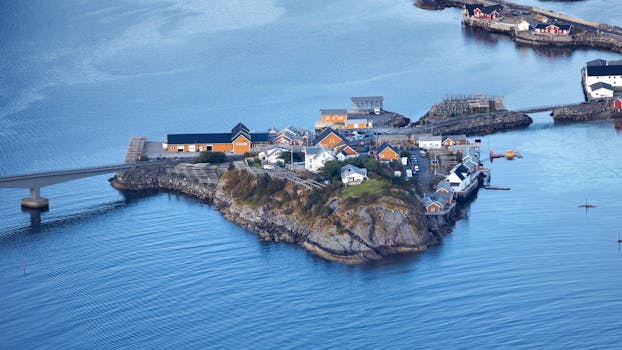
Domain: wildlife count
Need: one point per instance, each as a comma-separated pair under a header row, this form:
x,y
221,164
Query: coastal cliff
x,y
335,228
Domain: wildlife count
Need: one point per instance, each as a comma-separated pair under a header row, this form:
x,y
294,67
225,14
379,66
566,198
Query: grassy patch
x,y
370,187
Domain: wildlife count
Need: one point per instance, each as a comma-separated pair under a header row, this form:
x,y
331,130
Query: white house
x,y
272,155
601,71
431,142
316,157
522,26
600,90
459,178
351,175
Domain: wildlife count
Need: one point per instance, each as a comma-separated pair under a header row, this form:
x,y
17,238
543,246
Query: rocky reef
x,y
335,228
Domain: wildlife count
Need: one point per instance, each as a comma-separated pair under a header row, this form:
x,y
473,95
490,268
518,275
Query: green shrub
x,y
211,157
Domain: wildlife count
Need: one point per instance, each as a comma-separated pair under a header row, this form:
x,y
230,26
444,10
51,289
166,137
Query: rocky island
x,y
348,227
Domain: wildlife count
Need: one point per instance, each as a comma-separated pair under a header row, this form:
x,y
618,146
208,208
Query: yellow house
x,y
334,115
329,138
238,141
386,152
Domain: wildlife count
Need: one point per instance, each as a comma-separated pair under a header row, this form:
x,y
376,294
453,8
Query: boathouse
x,y
238,141
556,29
482,11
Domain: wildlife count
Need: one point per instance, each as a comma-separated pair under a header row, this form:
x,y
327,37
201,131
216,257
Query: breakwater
x,y
597,110
343,230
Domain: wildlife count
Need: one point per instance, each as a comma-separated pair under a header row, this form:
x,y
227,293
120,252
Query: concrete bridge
x,y
35,181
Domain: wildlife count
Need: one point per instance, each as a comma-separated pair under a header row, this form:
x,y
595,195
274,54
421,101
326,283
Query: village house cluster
x,y
462,179
491,16
329,143
356,118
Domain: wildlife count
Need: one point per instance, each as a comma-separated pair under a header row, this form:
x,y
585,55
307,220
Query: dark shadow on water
x,y
37,225
492,39
482,36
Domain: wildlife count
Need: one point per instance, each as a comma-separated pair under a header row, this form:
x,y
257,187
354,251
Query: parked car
x,y
416,168
423,153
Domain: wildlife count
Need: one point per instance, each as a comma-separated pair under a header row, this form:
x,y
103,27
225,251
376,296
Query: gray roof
x,y
597,62
349,169
436,196
444,184
601,85
366,98
333,111
431,138
315,150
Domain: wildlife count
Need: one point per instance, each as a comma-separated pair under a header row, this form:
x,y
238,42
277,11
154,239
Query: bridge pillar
x,y
35,200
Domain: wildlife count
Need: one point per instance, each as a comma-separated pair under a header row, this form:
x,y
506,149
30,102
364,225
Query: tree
x,y
286,156
405,153
332,169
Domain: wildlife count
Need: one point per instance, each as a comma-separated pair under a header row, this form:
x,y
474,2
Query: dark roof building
x,y
477,9
185,139
608,70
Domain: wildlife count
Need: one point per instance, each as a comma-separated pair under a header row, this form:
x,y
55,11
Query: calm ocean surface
x,y
525,269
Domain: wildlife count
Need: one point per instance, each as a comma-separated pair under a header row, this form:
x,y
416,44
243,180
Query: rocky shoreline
x,y
484,126
598,110
351,234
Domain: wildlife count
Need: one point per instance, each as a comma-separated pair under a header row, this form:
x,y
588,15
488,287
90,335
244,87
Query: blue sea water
x,y
526,268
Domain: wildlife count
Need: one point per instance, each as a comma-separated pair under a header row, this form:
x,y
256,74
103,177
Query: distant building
x,y
358,124
452,140
345,151
482,11
329,138
272,155
238,141
522,25
351,175
316,157
386,152
292,136
601,71
367,103
601,90
430,142
556,29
